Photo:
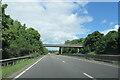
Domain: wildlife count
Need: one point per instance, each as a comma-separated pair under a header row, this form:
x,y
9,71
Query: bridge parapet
x,y
62,45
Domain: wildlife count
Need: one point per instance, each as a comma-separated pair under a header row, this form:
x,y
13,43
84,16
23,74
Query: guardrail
x,y
12,61
105,58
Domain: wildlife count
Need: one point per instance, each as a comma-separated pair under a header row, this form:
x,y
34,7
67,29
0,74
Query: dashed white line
x,y
27,68
63,61
96,62
89,76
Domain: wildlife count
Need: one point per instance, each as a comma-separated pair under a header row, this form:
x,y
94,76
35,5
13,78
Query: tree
x,y
91,40
101,45
111,43
73,42
17,40
119,40
97,43
33,33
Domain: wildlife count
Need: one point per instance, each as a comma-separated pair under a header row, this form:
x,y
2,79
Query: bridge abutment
x,y
78,50
61,50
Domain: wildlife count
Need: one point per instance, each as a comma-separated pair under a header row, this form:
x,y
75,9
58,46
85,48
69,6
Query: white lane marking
x,y
89,76
93,62
58,59
28,68
63,61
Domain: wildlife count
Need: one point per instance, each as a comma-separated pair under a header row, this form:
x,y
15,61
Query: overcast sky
x,y
61,21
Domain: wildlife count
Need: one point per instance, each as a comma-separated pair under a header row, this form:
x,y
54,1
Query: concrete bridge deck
x,y
62,45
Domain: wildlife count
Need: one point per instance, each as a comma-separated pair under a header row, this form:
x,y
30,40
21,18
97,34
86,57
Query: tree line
x,y
97,43
18,40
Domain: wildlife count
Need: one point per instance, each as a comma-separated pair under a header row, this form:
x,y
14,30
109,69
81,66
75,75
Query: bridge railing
x,y
12,61
104,58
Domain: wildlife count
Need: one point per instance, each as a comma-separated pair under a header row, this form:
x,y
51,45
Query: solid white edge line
x,y
28,68
89,76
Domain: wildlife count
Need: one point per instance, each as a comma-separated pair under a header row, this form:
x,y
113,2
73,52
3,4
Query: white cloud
x,y
81,1
21,0
61,0
85,11
114,29
111,23
55,21
104,21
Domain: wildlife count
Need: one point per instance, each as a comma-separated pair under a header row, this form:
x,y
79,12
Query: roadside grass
x,y
10,69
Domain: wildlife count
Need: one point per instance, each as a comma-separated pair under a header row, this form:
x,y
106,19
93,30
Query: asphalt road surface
x,y
57,66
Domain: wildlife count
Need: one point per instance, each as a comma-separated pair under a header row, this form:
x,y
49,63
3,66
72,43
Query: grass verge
x,y
8,70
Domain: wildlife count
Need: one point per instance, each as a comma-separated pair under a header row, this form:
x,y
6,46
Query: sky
x,y
61,21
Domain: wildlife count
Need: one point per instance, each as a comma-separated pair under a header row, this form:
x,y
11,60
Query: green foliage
x,y
73,42
108,44
8,70
97,43
17,40
91,41
33,33
119,40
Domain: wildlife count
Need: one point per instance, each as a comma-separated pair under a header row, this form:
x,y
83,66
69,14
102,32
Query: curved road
x,y
57,66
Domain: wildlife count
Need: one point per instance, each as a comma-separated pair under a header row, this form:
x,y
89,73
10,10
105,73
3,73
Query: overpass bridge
x,y
63,45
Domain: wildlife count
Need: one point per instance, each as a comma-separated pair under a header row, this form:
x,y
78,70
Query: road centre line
x,y
27,68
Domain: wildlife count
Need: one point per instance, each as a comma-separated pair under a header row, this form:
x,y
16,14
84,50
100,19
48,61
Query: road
x,y
57,66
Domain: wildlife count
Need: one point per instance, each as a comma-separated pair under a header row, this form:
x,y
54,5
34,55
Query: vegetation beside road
x,y
10,69
18,40
96,43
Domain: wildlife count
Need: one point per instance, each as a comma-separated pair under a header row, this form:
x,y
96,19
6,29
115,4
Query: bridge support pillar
x,y
60,50
78,50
